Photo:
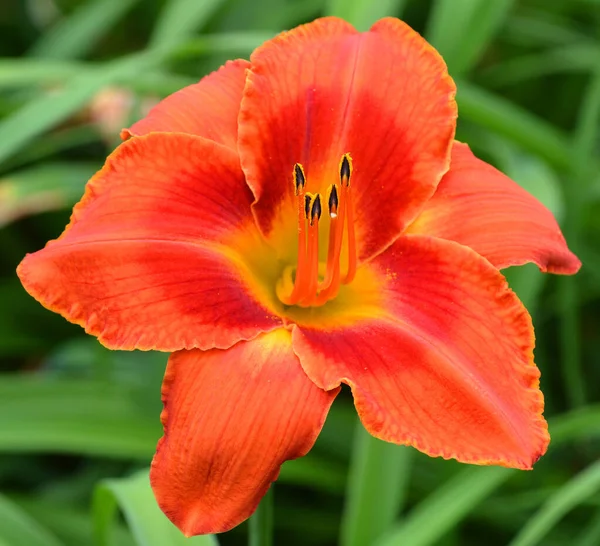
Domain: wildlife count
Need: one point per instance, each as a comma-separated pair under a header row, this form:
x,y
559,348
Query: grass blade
x,y
452,502
580,57
379,474
46,111
576,490
50,186
17,528
363,13
502,117
446,506
149,526
585,138
67,416
76,35
450,18
179,19
590,535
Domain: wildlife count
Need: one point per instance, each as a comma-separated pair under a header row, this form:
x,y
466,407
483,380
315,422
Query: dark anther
x,y
345,170
315,211
307,202
333,201
299,179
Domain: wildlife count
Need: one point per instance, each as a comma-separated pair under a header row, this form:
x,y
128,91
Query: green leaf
x,y
77,34
15,73
447,24
363,13
590,535
68,416
148,524
23,72
238,43
17,528
70,522
519,126
574,425
535,28
444,508
433,517
377,484
580,57
180,18
46,111
50,186
318,472
576,490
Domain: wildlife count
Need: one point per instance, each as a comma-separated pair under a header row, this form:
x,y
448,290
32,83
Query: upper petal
x,y
478,206
208,108
231,418
323,90
445,364
150,259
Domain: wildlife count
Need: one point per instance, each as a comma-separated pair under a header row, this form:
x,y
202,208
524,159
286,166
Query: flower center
x,y
306,289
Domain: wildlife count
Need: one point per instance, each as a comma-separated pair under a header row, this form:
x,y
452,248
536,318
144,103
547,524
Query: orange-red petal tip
x,y
480,207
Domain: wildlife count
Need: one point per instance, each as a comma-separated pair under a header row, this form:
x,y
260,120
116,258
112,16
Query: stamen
x,y
333,201
315,211
307,290
303,209
351,272
310,292
345,169
331,284
307,203
335,220
299,178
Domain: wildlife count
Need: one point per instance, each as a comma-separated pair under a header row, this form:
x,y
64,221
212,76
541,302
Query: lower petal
x,y
231,419
445,364
478,206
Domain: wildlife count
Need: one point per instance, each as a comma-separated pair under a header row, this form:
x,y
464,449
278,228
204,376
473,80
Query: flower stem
x,y
260,532
376,488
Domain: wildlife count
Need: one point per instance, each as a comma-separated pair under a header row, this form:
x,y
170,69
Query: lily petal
x,y
149,259
478,206
323,90
446,363
208,108
231,419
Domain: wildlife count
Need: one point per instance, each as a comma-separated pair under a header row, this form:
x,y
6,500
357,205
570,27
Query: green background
x,y
78,424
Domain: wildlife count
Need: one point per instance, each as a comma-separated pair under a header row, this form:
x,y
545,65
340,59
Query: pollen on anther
x,y
333,201
315,211
308,199
299,178
345,169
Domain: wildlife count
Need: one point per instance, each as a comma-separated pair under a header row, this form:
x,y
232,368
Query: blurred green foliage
x,y
78,424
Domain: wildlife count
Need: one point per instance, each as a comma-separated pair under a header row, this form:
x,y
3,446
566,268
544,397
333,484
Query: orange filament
x,y
299,183
307,290
351,240
336,216
312,275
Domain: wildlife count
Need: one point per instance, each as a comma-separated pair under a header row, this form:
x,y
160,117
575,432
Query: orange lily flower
x,y
297,222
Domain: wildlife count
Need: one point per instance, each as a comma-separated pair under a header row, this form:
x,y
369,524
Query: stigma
x,y
307,288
